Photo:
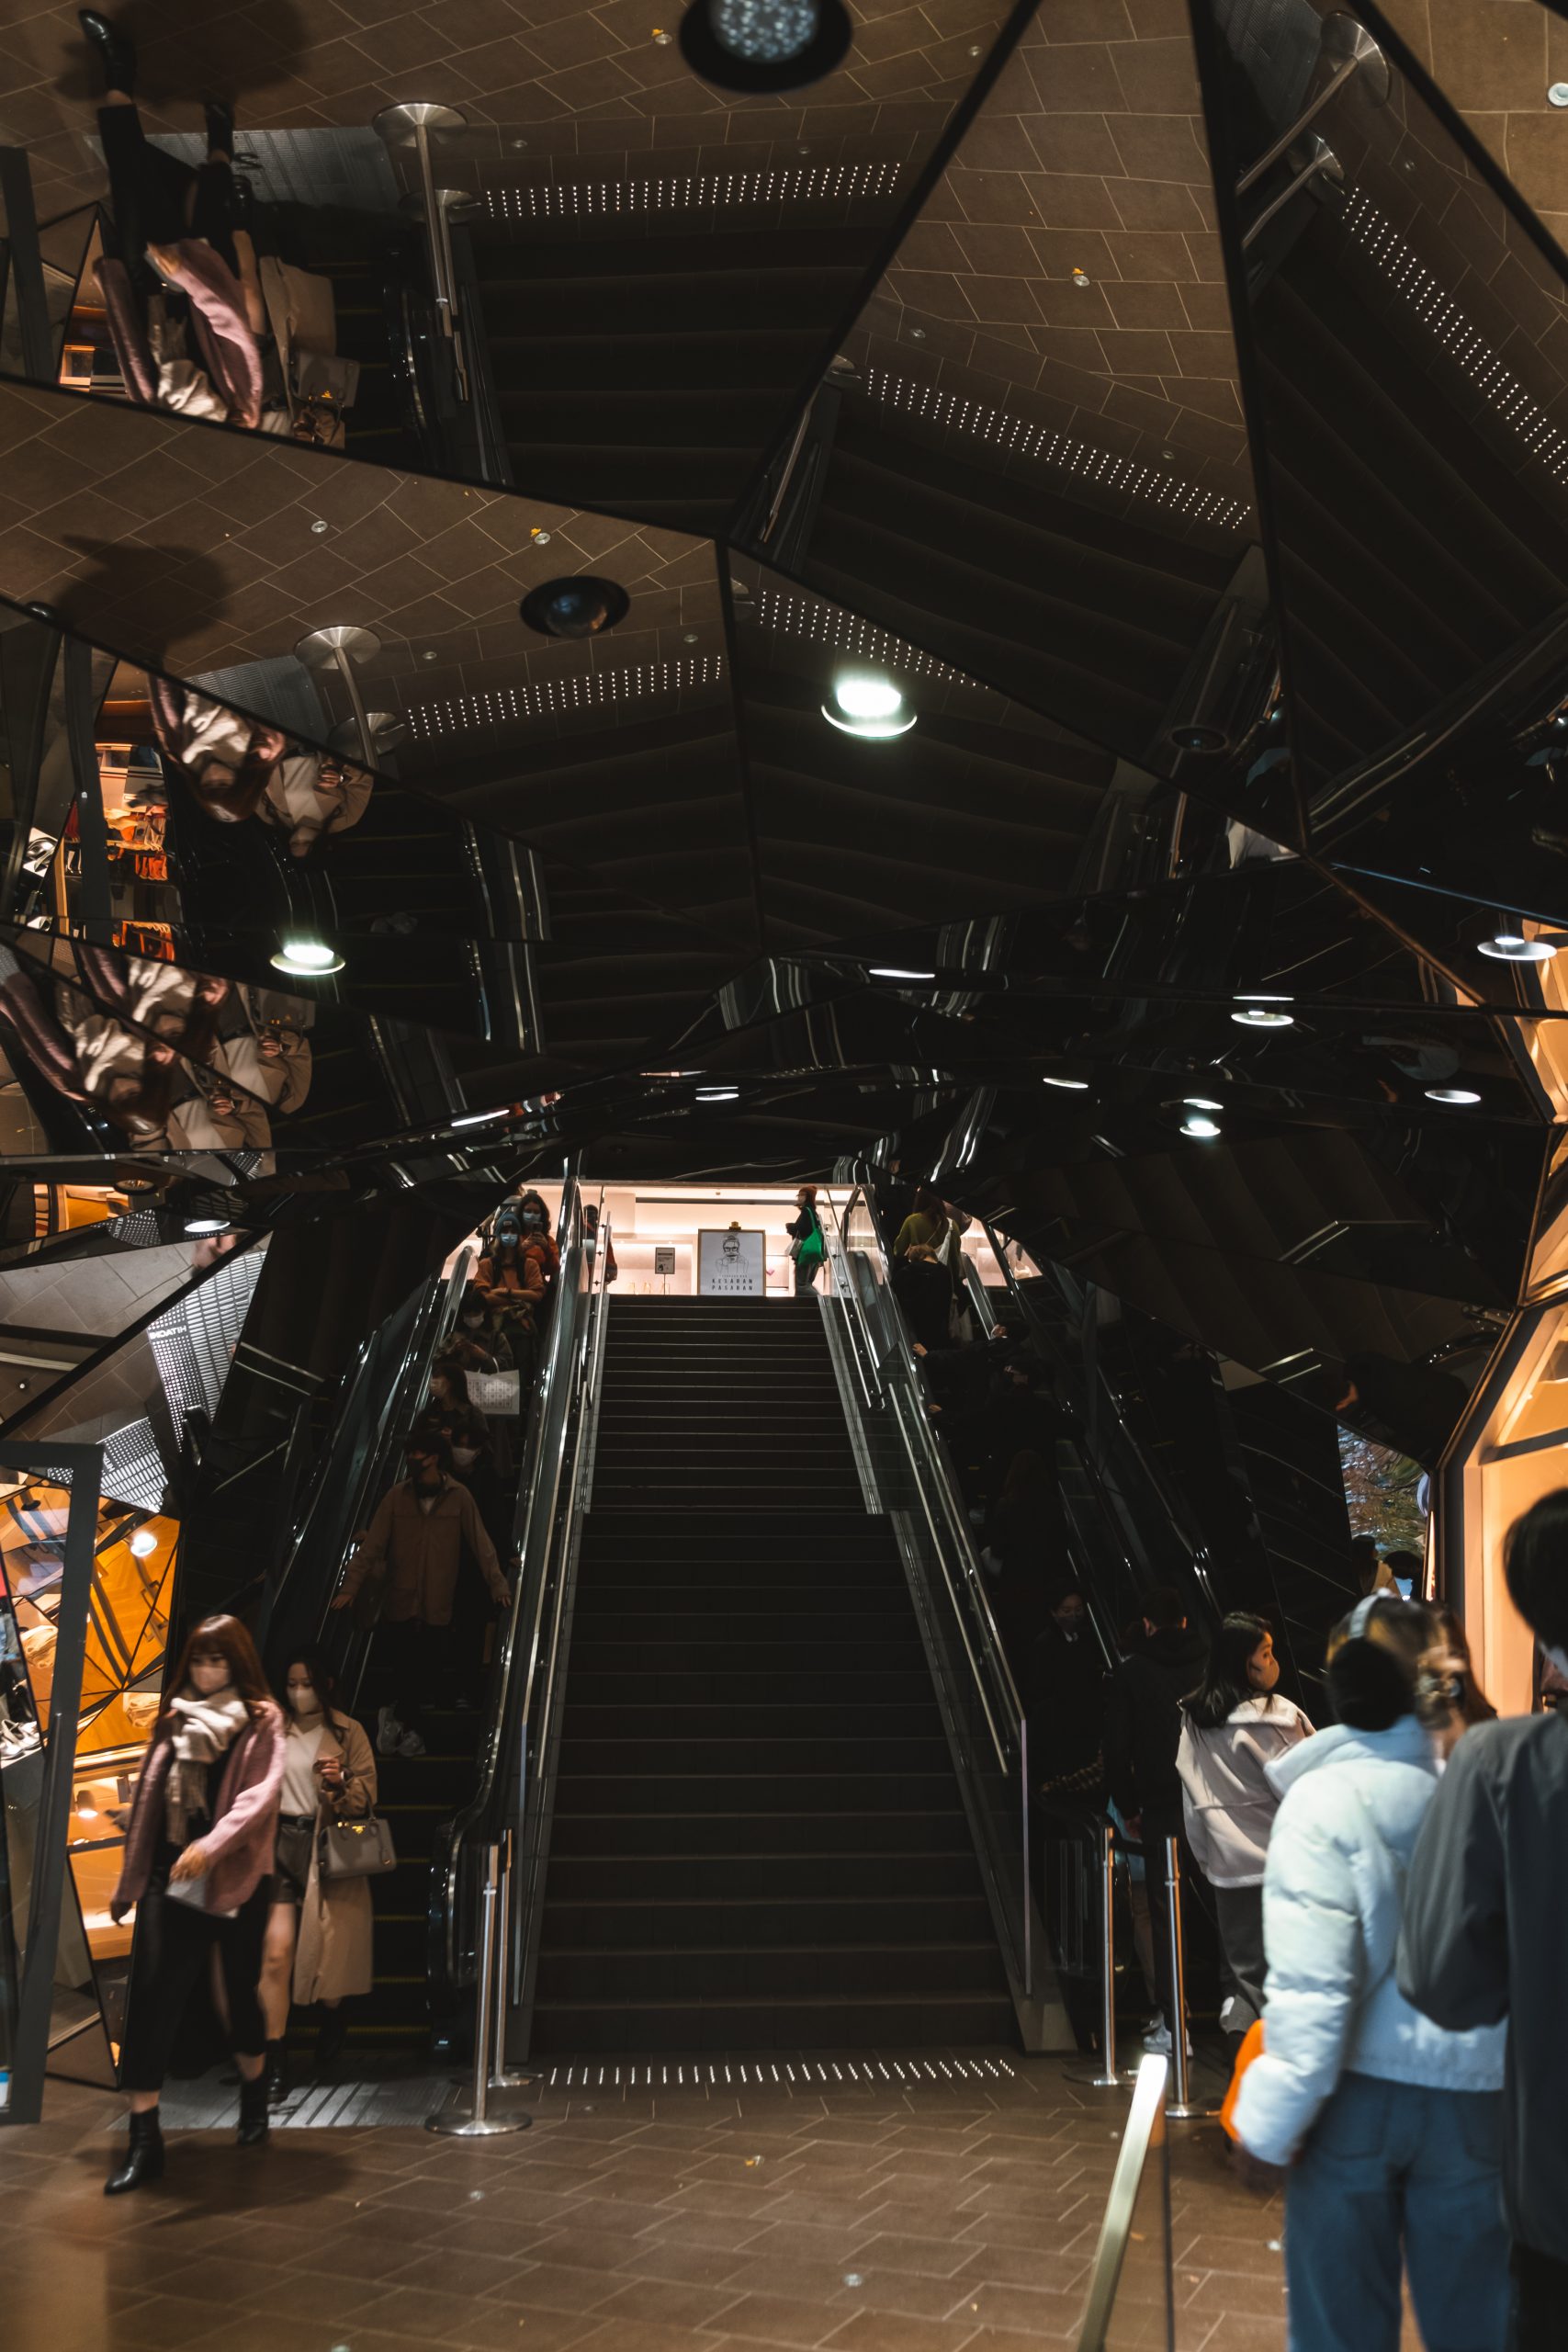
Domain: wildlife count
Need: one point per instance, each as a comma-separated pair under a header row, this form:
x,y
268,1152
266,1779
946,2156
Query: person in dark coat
x,y
1142,1733
1485,1926
1065,1696
923,1288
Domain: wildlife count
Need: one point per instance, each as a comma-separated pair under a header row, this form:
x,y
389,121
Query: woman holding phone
x,y
318,1931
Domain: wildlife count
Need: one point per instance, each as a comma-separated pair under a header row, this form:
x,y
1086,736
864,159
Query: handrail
x,y
1144,2135
389,1404
569,1378
912,1475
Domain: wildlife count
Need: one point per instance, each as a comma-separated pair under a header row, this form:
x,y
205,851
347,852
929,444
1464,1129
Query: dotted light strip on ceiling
x,y
1437,310
672,2073
557,697
845,633
603,199
1016,437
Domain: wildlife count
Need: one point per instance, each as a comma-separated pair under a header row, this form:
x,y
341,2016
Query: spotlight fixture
x,y
1199,1102
1513,947
890,972
199,1225
584,605
1195,1123
764,44
1198,737
1256,1015
1453,1094
1069,1085
718,1094
143,1542
867,706
310,958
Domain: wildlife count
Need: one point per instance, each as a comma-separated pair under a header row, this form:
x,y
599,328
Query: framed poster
x,y
664,1257
731,1264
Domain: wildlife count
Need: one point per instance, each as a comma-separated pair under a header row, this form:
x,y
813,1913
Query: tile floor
x,y
866,2217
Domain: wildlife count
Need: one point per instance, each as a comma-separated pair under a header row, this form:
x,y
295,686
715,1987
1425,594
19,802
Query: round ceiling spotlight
x,y
1461,1094
307,958
892,972
197,1227
1200,738
718,1094
1069,1085
1199,1102
1255,1015
1513,947
584,605
764,44
1197,1126
869,706
143,1543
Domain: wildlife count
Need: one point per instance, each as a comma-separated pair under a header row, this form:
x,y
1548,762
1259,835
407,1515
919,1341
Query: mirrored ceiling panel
x,y
1402,321
605,245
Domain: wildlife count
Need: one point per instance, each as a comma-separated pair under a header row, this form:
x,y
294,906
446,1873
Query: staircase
x,y
757,1842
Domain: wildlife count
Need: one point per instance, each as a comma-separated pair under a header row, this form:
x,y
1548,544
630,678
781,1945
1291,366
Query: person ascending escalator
x,y
417,1542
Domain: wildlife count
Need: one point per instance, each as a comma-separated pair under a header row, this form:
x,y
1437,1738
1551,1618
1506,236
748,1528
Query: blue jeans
x,y
1395,2174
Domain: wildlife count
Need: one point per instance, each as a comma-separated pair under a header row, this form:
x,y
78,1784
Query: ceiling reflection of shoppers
x,y
182,298
237,767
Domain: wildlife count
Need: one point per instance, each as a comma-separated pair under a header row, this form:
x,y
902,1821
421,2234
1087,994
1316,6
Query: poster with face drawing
x,y
731,1264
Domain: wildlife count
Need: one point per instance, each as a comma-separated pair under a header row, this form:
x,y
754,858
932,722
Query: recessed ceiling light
x,y
204,1224
1452,1094
307,956
1260,1016
890,972
1069,1085
143,1542
764,44
1195,1123
1199,1102
1513,947
718,1094
867,704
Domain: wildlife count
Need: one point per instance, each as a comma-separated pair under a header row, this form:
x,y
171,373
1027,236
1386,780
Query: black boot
x,y
276,2072
328,2040
117,50
253,2121
143,2159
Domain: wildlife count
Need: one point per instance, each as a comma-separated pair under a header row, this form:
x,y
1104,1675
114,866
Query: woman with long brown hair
x,y
198,1860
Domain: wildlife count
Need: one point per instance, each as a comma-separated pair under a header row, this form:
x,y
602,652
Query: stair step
x,y
740,1876
761,1839
711,1788
740,2028
801,1922
862,1971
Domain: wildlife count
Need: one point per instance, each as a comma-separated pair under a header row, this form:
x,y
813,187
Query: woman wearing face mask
x,y
318,1931
480,1332
1391,2126
199,1856
1233,1727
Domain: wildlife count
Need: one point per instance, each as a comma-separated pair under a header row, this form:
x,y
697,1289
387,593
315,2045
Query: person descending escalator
x,y
417,1542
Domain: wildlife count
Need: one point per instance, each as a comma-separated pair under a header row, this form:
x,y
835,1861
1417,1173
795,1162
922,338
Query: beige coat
x,y
335,1955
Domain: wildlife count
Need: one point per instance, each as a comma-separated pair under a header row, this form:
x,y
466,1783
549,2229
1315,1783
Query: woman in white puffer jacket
x,y
1234,1727
1392,2127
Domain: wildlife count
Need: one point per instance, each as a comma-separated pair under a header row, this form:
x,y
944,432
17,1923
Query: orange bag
x,y
1251,2048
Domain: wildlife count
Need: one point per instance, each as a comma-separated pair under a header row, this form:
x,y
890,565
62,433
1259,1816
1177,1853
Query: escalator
x,y
757,1782
385,1391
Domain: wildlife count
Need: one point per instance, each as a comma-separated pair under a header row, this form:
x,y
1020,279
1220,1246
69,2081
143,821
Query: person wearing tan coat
x,y
416,1542
318,1943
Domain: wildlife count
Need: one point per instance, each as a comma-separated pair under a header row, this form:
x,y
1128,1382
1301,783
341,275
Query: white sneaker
x,y
388,1732
411,1744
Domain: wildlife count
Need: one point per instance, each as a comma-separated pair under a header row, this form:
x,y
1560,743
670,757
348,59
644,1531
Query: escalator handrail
x,y
391,1405
493,1809
897,1380
1173,1505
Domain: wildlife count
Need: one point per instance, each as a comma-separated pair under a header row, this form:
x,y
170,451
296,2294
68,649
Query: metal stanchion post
x,y
1179,2104
1107,2079
477,2123
502,2077
368,733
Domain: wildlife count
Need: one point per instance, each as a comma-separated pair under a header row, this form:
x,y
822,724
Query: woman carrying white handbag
x,y
321,1928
